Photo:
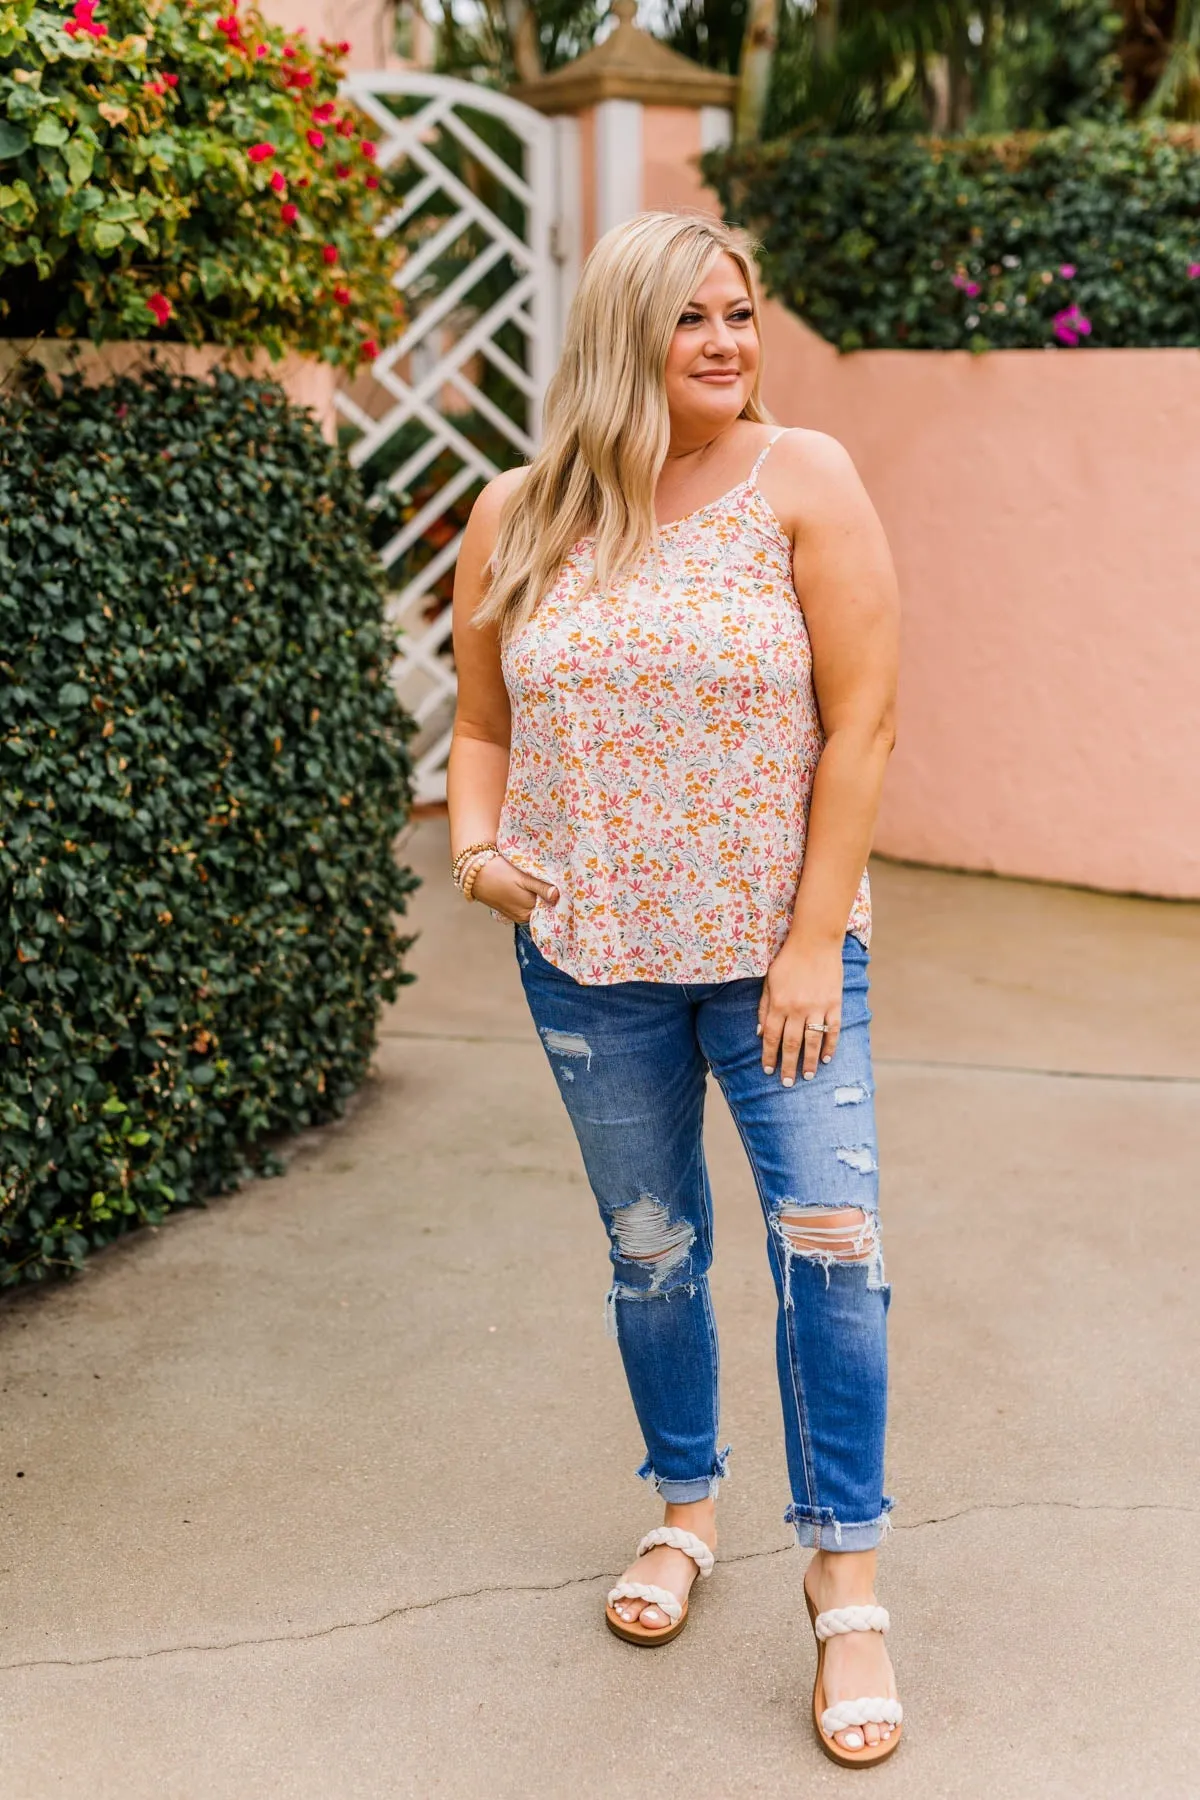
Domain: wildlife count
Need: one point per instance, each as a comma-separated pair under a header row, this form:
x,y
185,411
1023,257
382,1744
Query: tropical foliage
x,y
170,169
203,768
1082,236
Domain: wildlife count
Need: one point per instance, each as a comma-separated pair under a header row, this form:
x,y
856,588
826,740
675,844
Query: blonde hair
x,y
605,424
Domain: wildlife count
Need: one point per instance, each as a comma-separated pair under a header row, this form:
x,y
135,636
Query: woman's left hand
x,y
802,988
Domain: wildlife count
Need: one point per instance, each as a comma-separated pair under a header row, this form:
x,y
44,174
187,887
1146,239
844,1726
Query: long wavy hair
x,y
606,428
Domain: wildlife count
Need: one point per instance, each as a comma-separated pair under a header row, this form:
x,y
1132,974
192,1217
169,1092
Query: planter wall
x,y
306,382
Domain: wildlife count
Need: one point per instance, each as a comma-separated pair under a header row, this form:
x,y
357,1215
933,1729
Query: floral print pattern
x,y
664,741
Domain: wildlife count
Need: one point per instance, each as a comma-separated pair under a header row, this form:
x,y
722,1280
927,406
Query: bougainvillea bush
x,y
203,767
182,169
1067,238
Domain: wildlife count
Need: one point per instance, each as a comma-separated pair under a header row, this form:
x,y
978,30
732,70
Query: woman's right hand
x,y
500,884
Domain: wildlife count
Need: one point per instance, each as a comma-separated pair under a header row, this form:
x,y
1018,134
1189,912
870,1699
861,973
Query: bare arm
x,y
847,587
477,770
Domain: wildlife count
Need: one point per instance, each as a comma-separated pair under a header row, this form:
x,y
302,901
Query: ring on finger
x,y
817,1025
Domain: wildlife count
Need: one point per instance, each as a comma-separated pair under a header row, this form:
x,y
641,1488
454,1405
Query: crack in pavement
x,y
551,1587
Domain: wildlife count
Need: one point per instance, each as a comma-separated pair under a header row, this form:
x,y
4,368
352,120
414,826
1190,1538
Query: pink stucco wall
x,y
1042,510
1042,507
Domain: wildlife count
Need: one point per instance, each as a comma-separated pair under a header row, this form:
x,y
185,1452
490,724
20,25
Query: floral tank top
x,y
664,741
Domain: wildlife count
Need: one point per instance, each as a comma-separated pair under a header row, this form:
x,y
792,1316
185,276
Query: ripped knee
x,y
644,1232
828,1235
843,1234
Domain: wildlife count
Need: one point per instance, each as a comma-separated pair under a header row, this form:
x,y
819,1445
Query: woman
x,y
641,783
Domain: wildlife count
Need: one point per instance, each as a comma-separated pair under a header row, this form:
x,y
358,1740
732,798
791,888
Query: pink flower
x,y
316,139
972,288
260,152
368,149
278,181
1194,271
289,213
323,113
155,87
965,285
1067,271
329,252
171,80
1070,325
160,306
260,49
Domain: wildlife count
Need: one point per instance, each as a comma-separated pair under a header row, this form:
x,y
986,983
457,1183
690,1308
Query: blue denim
x,y
631,1061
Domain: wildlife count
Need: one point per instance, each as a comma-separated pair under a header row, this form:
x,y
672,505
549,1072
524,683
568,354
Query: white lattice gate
x,y
457,396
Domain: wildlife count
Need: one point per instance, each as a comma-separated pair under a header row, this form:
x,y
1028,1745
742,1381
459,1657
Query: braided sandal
x,y
850,1713
632,1630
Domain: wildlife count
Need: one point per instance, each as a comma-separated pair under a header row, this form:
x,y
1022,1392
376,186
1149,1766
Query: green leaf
x,y
72,694
80,154
50,132
13,141
106,235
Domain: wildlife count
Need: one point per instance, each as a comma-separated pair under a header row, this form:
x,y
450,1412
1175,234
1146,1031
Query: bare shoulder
x,y
485,513
810,480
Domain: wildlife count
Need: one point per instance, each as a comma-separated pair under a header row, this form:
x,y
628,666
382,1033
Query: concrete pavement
x,y
321,1487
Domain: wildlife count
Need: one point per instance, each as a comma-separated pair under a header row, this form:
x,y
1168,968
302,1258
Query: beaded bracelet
x,y
469,878
456,867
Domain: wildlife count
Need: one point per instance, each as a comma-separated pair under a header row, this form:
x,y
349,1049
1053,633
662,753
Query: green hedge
x,y
203,767
1086,236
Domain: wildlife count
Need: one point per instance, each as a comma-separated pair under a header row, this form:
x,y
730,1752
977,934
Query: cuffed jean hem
x,y
817,1528
682,1493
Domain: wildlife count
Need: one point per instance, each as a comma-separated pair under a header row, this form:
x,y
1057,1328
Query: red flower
x,y
316,139
289,49
372,181
303,181
368,350
171,80
329,252
81,20
155,87
260,152
289,213
341,170
278,181
323,113
369,150
343,49
345,127
298,78
160,306
342,295
260,50
233,35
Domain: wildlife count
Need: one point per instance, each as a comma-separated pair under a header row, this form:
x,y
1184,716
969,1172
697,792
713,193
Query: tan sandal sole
x,y
634,1632
870,1754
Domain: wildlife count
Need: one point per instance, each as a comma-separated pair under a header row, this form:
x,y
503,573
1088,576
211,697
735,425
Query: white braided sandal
x,y
849,1713
632,1630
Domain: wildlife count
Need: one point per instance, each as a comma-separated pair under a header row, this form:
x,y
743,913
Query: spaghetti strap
x,y
764,453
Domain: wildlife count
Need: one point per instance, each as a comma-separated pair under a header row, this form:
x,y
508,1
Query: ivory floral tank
x,y
664,741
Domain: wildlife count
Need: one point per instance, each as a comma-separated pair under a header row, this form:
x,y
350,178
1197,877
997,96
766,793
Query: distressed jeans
x,y
631,1061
